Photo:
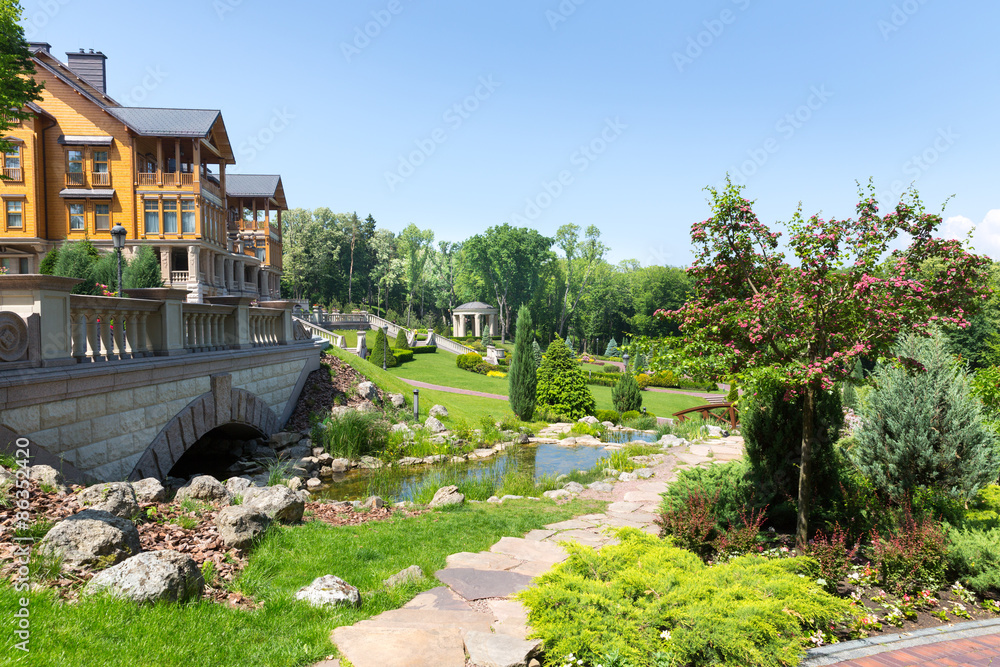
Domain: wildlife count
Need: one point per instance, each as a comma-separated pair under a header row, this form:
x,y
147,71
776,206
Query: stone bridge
x,y
113,389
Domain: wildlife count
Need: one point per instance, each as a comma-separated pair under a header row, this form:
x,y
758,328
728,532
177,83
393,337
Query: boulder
x,y
643,473
608,424
627,477
374,502
438,411
285,439
434,425
398,401
573,487
296,452
557,494
237,486
203,487
329,591
339,411
47,475
294,483
90,536
6,476
150,490
314,483
447,495
589,419
523,438
367,407
412,573
368,391
714,431
602,487
240,525
340,465
116,498
402,428
150,577
278,502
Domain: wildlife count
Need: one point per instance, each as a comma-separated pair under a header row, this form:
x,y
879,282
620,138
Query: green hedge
x,y
424,349
402,356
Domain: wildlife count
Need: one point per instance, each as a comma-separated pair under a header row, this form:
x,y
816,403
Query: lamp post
x,y
416,405
118,234
385,346
625,361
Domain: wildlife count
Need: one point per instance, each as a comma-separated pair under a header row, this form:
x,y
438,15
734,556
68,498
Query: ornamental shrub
x,y
76,260
974,559
728,483
48,265
536,350
912,555
570,345
630,414
922,428
562,385
468,361
607,416
651,603
612,349
486,340
143,270
833,555
425,349
523,380
401,342
643,380
381,350
402,356
611,368
626,394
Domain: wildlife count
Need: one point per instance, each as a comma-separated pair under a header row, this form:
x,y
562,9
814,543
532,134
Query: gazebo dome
x,y
483,316
475,305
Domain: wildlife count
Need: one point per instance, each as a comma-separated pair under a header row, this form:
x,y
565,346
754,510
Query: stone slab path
x,y
452,390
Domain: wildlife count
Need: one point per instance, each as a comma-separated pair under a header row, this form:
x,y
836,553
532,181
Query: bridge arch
x,y
221,406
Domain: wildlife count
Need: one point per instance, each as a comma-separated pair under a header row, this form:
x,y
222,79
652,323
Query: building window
x,y
101,175
24,265
74,168
14,214
169,216
12,164
187,216
260,254
152,213
102,217
76,217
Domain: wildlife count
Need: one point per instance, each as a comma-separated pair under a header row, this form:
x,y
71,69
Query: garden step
x,y
478,584
642,497
534,568
490,650
538,534
484,560
442,598
625,521
571,524
512,617
588,538
652,487
400,647
530,550
623,508
428,619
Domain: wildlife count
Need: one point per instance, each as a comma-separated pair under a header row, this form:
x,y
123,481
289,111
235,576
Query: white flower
x,y
821,582
665,635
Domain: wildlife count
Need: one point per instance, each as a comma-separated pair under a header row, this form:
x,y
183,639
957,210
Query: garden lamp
x,y
118,234
385,332
416,405
625,360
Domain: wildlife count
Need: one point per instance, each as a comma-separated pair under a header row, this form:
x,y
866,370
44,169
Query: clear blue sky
x,y
797,99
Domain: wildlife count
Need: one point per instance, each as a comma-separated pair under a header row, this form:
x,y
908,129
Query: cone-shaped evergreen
x,y
48,264
570,345
401,343
536,350
612,349
486,337
561,384
381,343
923,428
522,379
143,271
626,394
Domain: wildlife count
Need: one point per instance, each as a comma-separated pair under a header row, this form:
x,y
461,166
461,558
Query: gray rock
x,y
237,486
398,401
367,407
329,591
523,438
627,477
602,487
447,495
308,462
589,419
340,465
339,411
573,487
282,440
608,424
374,502
47,475
438,411
314,483
370,463
116,498
319,453
303,496
6,476
150,490
402,428
715,431
367,391
203,487
294,483
557,494
511,497
89,536
278,502
240,525
409,461
493,499
412,573
296,452
643,473
488,649
150,577
434,425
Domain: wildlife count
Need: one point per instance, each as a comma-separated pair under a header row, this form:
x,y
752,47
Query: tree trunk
x,y
350,273
805,469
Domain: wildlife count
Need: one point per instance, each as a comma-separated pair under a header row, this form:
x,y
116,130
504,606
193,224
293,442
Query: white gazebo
x,y
480,313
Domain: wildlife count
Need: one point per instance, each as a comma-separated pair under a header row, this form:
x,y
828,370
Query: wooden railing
x,y
185,178
75,179
13,174
211,187
147,178
100,178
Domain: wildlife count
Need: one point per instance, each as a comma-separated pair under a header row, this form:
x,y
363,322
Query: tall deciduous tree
x,y
810,318
17,85
582,257
522,379
415,245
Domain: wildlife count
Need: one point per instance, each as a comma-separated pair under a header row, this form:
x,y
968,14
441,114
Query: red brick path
x,y
974,652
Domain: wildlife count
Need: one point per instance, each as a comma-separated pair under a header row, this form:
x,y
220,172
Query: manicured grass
x,y
440,368
282,632
595,368
659,403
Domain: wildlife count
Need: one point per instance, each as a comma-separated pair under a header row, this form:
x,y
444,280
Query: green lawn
x,y
659,403
282,632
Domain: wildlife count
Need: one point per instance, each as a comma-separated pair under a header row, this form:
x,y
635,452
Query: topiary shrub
x,y
626,395
401,342
646,602
608,416
76,260
402,356
381,351
612,349
468,361
486,340
425,349
522,381
922,428
728,483
562,385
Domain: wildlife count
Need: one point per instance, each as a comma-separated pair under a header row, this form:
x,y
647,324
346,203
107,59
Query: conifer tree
x,y
561,384
626,394
612,348
376,355
522,379
401,342
536,350
486,341
143,271
849,397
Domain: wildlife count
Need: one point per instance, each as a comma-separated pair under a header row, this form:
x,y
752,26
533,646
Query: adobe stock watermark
x,y
899,17
786,127
34,20
453,117
255,143
223,7
154,76
714,28
21,617
581,159
562,13
919,164
363,35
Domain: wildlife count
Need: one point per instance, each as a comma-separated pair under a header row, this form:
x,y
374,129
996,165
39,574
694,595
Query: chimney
x,y
90,67
35,47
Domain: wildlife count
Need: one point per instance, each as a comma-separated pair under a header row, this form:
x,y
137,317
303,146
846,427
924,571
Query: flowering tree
x,y
806,321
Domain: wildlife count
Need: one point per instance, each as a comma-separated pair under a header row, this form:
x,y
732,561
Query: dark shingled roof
x,y
475,305
251,185
152,122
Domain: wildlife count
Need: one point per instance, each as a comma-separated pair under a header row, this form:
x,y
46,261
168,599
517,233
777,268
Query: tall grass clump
x,y
353,435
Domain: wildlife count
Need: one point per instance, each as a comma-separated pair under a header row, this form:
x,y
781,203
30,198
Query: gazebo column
x,y
493,324
478,325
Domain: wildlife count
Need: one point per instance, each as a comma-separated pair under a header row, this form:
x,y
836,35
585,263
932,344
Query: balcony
x,y
179,276
211,187
76,180
100,179
178,178
147,178
13,174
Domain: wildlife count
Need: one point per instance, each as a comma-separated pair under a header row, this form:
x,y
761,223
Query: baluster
x,y
203,343
220,332
119,336
131,329
140,336
80,337
93,335
107,351
189,328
